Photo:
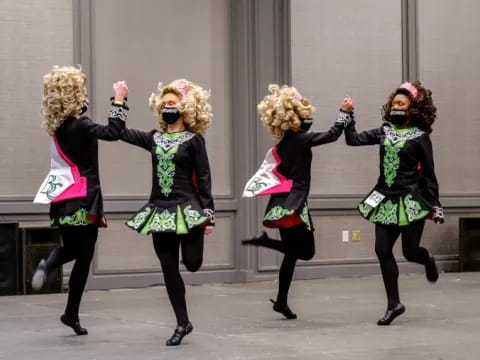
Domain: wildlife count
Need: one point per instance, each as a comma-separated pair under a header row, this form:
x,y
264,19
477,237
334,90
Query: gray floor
x,y
336,321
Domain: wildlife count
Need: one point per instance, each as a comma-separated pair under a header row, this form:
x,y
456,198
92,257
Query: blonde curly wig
x,y
64,91
194,106
282,110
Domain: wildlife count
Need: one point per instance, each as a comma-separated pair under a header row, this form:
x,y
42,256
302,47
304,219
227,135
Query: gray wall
x,y
366,51
34,35
355,54
159,49
352,53
448,61
328,49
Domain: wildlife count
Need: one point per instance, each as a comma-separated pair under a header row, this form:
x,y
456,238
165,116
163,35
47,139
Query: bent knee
x,y
307,255
193,265
410,255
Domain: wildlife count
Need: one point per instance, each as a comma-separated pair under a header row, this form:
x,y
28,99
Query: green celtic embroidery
x,y
80,217
305,218
387,213
364,209
181,225
166,168
162,221
140,218
256,185
391,160
167,147
277,213
50,187
193,217
413,209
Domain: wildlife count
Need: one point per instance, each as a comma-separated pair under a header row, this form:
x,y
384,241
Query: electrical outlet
x,y
355,235
345,236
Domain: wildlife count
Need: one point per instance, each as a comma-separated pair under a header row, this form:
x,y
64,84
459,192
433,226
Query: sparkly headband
x,y
298,97
410,88
183,86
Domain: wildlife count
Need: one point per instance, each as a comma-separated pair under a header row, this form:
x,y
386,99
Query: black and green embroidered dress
x,y
295,159
407,188
181,197
78,140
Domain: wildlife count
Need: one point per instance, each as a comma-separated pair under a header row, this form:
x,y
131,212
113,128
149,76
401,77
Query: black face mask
x,y
398,117
306,124
170,115
84,108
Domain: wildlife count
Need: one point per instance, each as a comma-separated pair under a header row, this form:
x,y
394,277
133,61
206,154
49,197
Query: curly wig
x,y
282,110
64,92
422,111
194,105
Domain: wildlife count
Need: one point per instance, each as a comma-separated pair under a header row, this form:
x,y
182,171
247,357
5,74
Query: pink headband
x,y
411,89
184,86
298,97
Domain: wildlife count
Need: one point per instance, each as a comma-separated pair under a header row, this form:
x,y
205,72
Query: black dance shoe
x,y
284,310
257,240
431,270
75,325
179,334
391,314
40,276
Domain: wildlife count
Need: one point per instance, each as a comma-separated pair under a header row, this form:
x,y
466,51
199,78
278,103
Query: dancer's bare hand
x,y
208,230
120,90
347,104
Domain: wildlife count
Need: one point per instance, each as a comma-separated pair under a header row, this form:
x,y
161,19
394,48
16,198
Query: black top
x,y
181,196
295,152
78,140
406,170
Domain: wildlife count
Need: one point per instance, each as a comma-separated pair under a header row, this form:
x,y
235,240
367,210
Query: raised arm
x,y
368,137
352,138
117,115
313,138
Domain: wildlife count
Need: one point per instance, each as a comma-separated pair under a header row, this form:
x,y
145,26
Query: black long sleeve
x,y
313,138
139,138
203,176
111,132
428,171
368,137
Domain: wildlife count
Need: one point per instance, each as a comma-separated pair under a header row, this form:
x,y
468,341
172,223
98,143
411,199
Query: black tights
x,y
79,245
385,238
167,249
296,243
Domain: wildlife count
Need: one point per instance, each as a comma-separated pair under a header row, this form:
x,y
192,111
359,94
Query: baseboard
x,y
116,281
